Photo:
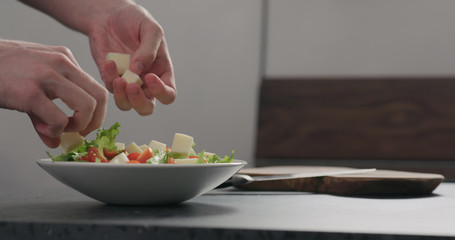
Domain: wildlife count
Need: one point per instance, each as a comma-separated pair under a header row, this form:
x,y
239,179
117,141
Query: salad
x,y
105,149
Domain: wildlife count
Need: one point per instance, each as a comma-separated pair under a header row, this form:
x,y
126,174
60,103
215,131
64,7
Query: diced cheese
x,y
133,148
122,61
155,145
186,161
120,158
182,144
143,147
120,146
70,141
131,77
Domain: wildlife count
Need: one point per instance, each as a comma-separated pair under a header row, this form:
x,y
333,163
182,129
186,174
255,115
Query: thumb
x,y
146,54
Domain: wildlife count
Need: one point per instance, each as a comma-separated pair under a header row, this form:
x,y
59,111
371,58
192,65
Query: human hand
x,y
131,29
33,75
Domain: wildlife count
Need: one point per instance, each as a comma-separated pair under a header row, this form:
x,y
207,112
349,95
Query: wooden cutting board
x,y
379,182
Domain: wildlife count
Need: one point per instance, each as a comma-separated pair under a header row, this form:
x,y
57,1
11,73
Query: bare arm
x,y
79,14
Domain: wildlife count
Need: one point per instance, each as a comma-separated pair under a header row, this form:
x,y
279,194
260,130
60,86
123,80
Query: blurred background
x,y
222,50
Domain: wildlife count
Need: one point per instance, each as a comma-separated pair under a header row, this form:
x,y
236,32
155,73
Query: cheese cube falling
x,y
70,141
131,77
133,148
155,145
120,158
182,144
122,61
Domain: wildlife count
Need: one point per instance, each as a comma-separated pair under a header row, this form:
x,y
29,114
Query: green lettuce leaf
x,y
104,139
227,159
201,157
216,159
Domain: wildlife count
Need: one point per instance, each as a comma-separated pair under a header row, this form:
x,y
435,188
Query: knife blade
x,y
241,179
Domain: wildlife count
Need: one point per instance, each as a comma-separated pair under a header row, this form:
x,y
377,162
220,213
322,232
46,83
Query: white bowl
x,y
141,184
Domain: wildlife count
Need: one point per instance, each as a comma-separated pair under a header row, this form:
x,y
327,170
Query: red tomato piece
x,y
133,156
146,155
171,160
132,161
110,154
94,153
83,158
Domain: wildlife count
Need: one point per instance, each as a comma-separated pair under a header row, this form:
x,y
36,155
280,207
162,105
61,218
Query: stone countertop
x,y
63,213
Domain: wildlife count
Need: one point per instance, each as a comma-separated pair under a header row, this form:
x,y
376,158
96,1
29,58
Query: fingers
x,y
33,75
41,129
120,97
151,39
80,92
143,38
48,120
109,73
164,93
136,97
90,98
82,103
131,95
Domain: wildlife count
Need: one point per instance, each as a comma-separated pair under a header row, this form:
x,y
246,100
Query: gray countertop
x,y
229,214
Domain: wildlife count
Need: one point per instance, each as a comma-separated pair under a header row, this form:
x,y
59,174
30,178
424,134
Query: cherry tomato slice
x,y
133,156
171,160
94,153
146,155
110,154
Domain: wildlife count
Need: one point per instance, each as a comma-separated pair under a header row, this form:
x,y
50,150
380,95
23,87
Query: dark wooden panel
x,y
357,118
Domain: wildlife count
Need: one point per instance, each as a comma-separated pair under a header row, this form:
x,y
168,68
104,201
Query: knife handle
x,y
225,184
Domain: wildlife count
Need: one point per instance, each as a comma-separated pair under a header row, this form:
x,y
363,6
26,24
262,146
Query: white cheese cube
x,y
143,147
182,144
155,145
120,146
122,61
186,160
120,158
133,148
70,141
131,77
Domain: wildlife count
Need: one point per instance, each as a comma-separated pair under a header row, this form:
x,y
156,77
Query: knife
x,y
241,179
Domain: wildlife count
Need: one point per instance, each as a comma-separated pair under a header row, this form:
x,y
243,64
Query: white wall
x,y
215,50
361,37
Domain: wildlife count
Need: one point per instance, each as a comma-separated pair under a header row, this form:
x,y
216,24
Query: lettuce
x,y
227,159
104,139
201,157
216,159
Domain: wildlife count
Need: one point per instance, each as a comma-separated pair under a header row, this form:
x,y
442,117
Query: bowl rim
x,y
48,161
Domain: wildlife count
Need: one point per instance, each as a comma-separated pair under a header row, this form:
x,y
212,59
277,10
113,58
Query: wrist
x,y
79,15
98,13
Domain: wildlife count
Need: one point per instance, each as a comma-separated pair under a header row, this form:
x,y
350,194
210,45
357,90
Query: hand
x,y
32,75
131,29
